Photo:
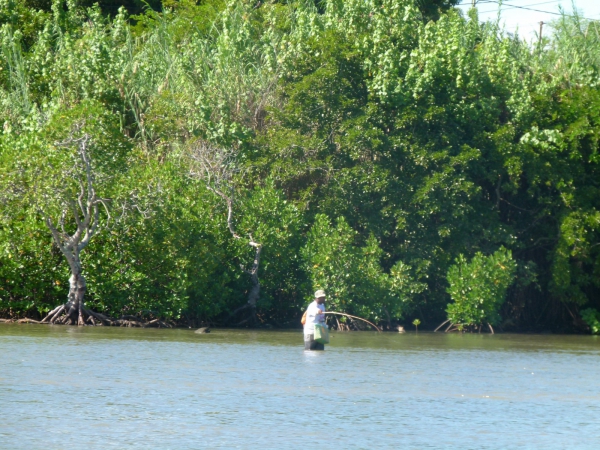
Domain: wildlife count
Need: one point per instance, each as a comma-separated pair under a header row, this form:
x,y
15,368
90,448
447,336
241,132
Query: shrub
x,y
591,317
478,287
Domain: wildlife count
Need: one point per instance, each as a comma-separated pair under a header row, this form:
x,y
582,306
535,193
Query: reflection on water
x,y
98,388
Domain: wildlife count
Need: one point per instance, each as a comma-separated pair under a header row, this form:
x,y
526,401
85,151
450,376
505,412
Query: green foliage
x,y
277,225
416,323
24,16
426,133
110,7
591,317
478,287
431,9
43,169
168,263
352,276
32,272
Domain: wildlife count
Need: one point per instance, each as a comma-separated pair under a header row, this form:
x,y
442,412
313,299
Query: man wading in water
x,y
314,314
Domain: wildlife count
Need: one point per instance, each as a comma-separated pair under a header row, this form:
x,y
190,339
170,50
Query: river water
x,y
115,388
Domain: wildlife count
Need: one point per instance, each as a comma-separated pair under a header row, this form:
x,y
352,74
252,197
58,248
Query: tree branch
x,y
216,166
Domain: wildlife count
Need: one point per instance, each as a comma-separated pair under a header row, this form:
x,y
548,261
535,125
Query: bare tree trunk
x,y
75,304
74,311
389,319
254,294
216,166
85,211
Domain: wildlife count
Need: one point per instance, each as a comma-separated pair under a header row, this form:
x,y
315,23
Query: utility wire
x,y
536,10
533,4
505,6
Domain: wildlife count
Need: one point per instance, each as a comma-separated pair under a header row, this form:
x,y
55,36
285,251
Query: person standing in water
x,y
314,314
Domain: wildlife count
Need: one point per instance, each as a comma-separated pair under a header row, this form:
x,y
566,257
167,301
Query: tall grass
x,y
15,100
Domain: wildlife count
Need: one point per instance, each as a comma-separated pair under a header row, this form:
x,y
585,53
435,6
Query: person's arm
x,y
321,315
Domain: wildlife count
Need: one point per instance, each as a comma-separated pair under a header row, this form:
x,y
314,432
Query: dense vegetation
x,y
394,153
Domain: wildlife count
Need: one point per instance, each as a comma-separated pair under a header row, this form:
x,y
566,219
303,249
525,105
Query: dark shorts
x,y
311,344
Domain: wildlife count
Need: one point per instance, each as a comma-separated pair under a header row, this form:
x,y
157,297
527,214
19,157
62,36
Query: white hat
x,y
320,293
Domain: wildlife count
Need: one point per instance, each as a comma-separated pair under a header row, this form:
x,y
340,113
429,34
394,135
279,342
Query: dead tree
x,y
217,166
84,211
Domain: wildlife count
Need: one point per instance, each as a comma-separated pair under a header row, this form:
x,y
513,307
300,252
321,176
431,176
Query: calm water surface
x,y
114,388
